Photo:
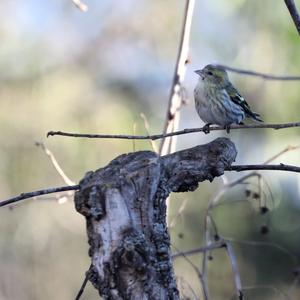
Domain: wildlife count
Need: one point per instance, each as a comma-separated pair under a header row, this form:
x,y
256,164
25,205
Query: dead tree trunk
x,y
125,210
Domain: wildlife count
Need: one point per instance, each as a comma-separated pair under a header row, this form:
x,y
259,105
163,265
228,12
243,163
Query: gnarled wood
x,y
124,206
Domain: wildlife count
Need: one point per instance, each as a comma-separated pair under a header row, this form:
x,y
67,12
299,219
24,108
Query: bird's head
x,y
213,74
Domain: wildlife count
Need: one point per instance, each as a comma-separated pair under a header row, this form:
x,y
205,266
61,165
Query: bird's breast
x,y
199,92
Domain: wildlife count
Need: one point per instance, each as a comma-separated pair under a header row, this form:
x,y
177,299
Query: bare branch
x,y
83,285
280,167
285,150
228,185
59,198
214,201
185,286
199,274
268,287
235,271
294,13
134,132
280,248
56,165
222,243
82,6
160,136
199,250
178,213
258,74
24,196
175,99
147,128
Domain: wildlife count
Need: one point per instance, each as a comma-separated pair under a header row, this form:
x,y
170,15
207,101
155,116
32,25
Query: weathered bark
x,y
124,206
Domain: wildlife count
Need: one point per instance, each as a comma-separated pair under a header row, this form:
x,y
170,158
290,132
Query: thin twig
x,y
252,174
160,136
85,281
199,250
235,271
280,167
294,13
207,243
280,248
259,74
24,196
82,6
134,132
293,286
199,274
269,287
175,99
222,243
213,202
147,128
60,198
240,180
56,165
178,214
285,150
184,285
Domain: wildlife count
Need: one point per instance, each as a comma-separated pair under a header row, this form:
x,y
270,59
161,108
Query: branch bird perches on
x,y
180,132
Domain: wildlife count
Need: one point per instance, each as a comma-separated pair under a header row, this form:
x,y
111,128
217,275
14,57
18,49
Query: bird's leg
x,y
206,128
227,127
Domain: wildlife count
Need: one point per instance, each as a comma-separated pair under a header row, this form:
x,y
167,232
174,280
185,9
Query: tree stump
x,y
124,205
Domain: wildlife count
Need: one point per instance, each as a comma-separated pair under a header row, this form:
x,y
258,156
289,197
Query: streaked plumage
x,y
217,101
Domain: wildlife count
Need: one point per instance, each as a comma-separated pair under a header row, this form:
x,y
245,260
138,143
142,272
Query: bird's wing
x,y
240,101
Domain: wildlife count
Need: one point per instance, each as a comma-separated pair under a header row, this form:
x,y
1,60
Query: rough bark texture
x,y
124,206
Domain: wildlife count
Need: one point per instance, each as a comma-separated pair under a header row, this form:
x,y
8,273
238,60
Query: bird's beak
x,y
200,73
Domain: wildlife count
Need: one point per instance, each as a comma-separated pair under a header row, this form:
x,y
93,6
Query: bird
x,y
218,102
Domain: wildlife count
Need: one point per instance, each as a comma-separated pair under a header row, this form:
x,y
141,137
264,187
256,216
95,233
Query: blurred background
x,y
62,69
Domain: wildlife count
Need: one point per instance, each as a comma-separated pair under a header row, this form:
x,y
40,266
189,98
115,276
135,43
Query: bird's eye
x,y
209,73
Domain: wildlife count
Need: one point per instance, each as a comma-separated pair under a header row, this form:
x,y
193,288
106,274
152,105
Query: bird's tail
x,y
255,116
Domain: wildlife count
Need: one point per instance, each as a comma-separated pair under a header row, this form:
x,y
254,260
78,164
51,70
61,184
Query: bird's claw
x,y
227,127
206,128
